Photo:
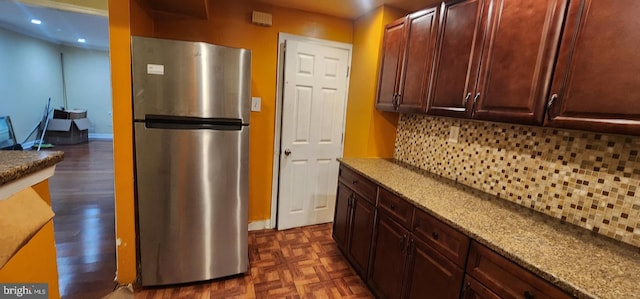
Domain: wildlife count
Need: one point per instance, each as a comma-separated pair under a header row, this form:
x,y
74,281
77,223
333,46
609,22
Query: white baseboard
x,y
259,225
101,136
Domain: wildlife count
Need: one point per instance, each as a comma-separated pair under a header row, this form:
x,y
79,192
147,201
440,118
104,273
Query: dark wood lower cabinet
x,y
363,216
354,219
341,215
475,290
388,258
402,251
430,274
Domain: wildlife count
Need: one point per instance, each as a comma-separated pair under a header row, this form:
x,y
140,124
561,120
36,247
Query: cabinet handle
x,y
552,100
435,235
475,99
411,247
404,237
467,286
393,207
355,182
351,198
466,100
528,295
393,101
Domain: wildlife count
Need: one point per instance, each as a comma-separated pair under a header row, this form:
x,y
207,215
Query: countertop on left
x,y
17,164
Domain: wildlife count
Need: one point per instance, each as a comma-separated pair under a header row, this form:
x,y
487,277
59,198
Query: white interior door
x,y
315,84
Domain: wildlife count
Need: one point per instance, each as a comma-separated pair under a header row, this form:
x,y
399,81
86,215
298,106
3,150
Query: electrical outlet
x,y
454,132
256,104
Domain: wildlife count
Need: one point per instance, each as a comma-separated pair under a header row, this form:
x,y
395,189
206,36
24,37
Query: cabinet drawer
x,y
398,208
364,187
448,241
507,279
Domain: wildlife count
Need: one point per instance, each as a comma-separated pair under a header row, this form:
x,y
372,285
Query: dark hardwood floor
x,y
296,263
82,198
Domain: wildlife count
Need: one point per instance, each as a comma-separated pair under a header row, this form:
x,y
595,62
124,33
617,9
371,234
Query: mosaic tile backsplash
x,y
588,179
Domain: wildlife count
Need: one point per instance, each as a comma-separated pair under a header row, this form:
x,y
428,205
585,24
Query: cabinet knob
x,y
392,206
404,238
355,182
528,295
435,235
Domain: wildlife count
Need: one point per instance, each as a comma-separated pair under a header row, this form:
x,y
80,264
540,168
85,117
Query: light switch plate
x,y
454,132
256,104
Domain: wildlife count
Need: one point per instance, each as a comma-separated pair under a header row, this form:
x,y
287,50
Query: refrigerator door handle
x,y
192,126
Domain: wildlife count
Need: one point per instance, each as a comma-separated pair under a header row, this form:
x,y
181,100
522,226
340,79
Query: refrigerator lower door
x,y
192,193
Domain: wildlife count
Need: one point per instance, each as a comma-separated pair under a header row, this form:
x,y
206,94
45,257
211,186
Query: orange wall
x,y
369,133
119,39
230,25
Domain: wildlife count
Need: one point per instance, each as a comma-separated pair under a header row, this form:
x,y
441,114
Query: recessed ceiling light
x,y
36,21
82,40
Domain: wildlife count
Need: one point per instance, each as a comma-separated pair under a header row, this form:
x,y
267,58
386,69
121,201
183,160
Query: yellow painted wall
x,y
36,262
369,133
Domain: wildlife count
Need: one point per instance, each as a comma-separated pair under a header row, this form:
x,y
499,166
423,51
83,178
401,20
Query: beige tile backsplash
x,y
589,179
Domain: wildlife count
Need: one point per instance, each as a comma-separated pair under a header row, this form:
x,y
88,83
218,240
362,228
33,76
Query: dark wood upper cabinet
x,y
418,60
517,62
390,65
596,84
457,57
414,62
491,64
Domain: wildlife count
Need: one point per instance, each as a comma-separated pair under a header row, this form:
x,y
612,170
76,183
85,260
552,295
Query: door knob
x,y
287,152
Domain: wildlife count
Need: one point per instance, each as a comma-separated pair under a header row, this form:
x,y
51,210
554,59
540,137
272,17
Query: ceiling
x,y
63,24
58,26
350,9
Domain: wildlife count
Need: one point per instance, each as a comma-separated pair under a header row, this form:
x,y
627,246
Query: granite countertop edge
x,y
590,239
15,165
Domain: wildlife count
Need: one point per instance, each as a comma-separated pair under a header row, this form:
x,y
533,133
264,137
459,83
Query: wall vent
x,y
261,18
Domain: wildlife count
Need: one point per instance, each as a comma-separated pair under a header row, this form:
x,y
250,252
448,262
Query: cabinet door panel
x,y
431,275
392,52
361,233
418,60
597,79
387,262
475,290
457,57
341,216
518,59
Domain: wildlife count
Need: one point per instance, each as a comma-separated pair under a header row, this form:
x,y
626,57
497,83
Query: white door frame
x,y
282,37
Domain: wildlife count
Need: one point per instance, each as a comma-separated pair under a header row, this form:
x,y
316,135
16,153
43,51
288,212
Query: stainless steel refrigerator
x,y
191,107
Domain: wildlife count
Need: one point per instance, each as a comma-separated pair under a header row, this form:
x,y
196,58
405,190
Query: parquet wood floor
x,y
296,263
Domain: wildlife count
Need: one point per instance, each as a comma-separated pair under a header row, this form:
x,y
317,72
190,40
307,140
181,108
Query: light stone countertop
x,y
17,164
576,260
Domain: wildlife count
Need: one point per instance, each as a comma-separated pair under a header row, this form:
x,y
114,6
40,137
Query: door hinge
x,y
348,69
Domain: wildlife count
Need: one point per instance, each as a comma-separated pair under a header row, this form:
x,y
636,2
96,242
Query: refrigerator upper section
x,y
191,79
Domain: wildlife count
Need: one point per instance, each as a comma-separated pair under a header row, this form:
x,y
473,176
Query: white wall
x,y
29,75
88,80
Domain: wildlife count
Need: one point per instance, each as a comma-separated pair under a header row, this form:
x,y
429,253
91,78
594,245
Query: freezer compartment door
x,y
192,198
190,79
